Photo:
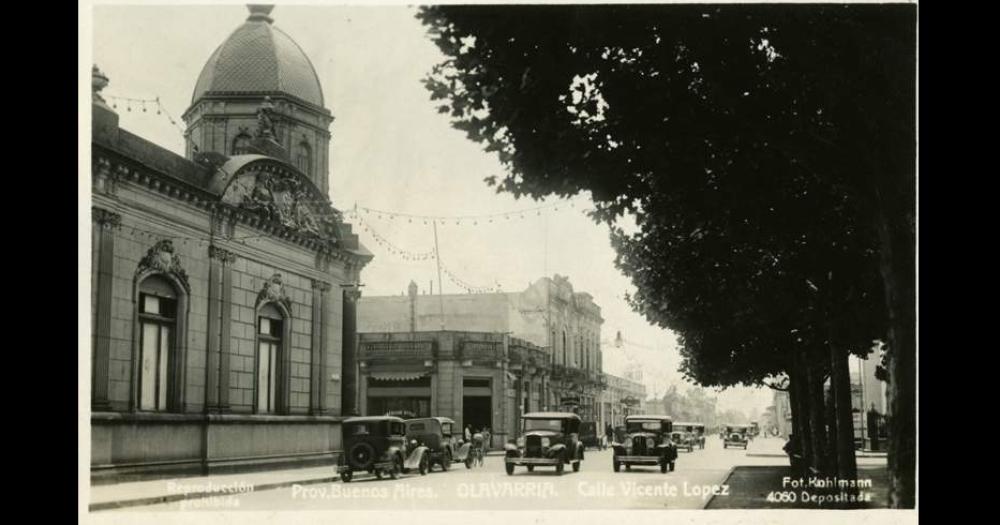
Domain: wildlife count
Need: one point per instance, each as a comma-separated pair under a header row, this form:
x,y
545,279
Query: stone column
x,y
225,329
349,385
104,225
317,365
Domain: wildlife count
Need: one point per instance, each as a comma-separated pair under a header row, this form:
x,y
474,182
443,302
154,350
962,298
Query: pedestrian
x,y
609,433
468,433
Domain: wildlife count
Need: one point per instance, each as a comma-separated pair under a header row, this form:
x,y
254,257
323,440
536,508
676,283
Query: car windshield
x,y
643,426
417,427
554,425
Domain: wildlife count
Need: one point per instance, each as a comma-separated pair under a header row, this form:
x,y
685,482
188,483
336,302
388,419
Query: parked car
x,y
736,436
682,440
646,442
378,445
444,447
589,435
548,439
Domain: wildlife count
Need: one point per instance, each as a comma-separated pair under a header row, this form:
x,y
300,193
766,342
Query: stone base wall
x,y
128,447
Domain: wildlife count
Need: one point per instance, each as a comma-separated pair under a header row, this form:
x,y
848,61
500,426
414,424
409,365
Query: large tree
x,y
764,153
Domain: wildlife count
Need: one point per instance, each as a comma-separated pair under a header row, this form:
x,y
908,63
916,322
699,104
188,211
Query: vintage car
x,y
736,436
646,442
378,445
548,439
589,435
682,440
444,447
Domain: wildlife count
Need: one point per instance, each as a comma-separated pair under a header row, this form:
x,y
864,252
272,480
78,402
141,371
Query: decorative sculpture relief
x,y
274,291
161,258
281,198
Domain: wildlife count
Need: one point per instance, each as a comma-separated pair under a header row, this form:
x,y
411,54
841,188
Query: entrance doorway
x,y
477,403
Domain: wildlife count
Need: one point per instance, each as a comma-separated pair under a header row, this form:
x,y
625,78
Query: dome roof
x,y
259,58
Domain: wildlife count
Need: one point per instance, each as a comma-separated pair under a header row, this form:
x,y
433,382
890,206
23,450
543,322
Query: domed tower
x,y
259,93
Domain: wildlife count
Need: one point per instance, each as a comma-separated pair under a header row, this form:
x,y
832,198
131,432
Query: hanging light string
x,y
474,220
391,247
141,103
469,288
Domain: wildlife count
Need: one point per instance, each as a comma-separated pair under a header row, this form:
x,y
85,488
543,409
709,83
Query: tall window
x,y
157,328
303,158
564,361
241,144
269,333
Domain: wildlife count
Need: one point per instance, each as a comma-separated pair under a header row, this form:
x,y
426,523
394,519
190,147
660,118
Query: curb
x,y
170,498
729,474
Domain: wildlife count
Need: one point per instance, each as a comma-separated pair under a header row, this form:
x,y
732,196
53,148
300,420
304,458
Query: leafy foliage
x,y
749,145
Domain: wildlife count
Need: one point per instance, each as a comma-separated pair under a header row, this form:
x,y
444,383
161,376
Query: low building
x,y
549,314
479,379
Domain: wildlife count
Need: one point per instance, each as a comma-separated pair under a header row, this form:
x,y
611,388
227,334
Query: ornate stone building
x,y
223,281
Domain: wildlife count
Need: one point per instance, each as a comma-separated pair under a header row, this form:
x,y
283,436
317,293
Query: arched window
x,y
303,157
241,144
157,340
270,335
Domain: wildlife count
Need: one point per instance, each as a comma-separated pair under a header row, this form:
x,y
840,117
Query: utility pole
x,y
437,257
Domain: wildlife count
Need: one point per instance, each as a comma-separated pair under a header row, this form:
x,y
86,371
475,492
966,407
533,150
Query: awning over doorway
x,y
396,376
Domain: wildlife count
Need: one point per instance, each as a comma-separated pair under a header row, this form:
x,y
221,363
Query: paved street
x,y
596,486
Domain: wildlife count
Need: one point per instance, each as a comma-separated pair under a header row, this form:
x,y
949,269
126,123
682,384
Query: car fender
x,y
415,457
392,452
511,451
463,452
555,450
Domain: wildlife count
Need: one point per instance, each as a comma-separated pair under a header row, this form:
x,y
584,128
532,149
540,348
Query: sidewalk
x,y
763,487
772,448
138,493
135,493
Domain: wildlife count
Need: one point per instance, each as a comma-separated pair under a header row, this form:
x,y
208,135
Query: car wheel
x,y
576,466
559,468
531,468
617,466
671,466
422,468
510,468
628,467
346,476
446,462
378,473
663,467
397,468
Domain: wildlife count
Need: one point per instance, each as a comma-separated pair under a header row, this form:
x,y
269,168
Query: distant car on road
x,y
736,436
646,442
378,445
549,439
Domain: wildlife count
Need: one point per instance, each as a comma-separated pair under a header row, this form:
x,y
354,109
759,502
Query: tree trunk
x,y
840,381
800,412
834,439
814,400
897,265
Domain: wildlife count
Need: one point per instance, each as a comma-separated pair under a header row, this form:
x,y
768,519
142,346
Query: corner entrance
x,y
477,403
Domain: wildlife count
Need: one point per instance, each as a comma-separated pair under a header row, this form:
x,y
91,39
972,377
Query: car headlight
x,y
520,442
413,442
546,441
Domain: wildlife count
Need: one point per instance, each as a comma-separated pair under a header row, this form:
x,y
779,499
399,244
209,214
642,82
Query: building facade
x,y
480,379
224,282
549,314
621,398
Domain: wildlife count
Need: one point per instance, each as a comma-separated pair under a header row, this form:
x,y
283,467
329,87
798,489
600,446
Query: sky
x,y
392,151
